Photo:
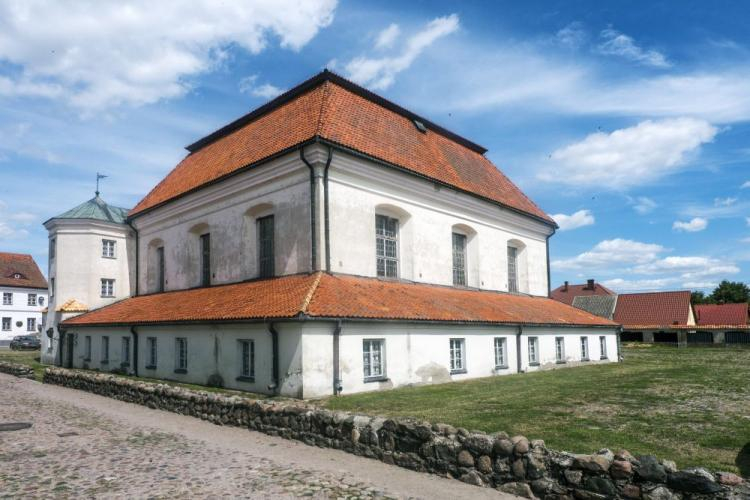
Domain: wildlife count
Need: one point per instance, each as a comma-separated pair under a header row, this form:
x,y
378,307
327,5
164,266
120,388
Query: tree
x,y
699,298
730,292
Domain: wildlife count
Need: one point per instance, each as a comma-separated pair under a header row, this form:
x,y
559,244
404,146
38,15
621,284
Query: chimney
x,y
590,284
565,287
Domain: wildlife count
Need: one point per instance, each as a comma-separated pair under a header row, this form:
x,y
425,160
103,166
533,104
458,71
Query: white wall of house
x,y
228,211
14,318
413,353
78,266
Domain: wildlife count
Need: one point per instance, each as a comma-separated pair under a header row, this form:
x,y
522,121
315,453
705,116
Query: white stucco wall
x,y
228,211
21,311
428,214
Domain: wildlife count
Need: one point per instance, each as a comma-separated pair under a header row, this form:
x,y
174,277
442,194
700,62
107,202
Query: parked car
x,y
25,342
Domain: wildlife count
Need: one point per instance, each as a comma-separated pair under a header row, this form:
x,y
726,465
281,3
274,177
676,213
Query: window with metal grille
x,y
372,358
7,298
247,351
559,349
386,246
512,269
30,324
533,351
500,352
458,355
151,349
603,347
206,259
108,249
459,259
105,350
584,348
265,247
125,354
180,354
108,287
87,348
160,274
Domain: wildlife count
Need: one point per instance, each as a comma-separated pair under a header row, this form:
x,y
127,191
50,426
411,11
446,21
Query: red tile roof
x,y
721,314
322,295
23,264
566,296
653,309
334,110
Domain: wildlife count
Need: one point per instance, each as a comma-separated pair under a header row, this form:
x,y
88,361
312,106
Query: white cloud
x,y
578,219
689,267
379,73
631,156
700,285
620,44
8,232
642,204
248,85
725,202
387,37
609,252
98,54
23,217
573,35
622,285
692,226
745,185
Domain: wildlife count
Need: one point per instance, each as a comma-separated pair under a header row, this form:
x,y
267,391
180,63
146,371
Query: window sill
x,y
585,359
603,357
180,370
560,362
108,257
502,367
150,367
106,296
242,378
376,379
458,372
534,363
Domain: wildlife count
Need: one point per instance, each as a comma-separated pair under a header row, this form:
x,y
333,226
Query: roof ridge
x,y
313,288
323,107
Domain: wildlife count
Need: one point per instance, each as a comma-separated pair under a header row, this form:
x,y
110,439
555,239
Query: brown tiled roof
x,y
322,295
566,296
656,309
23,264
333,110
721,314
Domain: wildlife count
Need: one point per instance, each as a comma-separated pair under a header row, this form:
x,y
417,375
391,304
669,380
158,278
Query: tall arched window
x,y
390,222
156,266
517,273
465,256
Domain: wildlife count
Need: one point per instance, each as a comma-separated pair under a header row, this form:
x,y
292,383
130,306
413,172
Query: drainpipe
x,y
135,350
274,385
314,246
136,256
325,208
518,349
336,380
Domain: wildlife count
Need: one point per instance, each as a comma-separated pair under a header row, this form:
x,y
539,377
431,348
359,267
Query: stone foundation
x,y
511,464
16,370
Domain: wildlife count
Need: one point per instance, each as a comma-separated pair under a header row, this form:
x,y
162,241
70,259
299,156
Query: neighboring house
x,y
600,305
567,292
329,241
653,316
721,323
91,263
24,295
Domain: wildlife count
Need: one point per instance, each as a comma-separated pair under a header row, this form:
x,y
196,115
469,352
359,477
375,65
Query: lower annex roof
x,y
336,296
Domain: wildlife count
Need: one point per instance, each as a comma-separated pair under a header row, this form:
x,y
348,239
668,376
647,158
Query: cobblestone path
x,y
83,445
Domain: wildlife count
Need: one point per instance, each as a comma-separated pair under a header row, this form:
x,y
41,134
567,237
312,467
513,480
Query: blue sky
x,y
628,122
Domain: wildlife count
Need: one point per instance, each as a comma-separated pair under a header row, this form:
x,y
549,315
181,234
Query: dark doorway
x,y
69,350
665,337
631,336
700,337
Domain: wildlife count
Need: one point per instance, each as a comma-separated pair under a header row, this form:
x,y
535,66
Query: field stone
x,y
606,453
669,465
621,469
518,489
658,493
600,485
521,445
592,463
502,447
479,444
631,491
472,477
535,468
625,456
692,482
465,459
649,469
484,464
519,469
729,479
573,477
501,465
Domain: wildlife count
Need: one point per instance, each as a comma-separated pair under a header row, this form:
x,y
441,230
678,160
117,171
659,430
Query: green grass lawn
x,y
688,405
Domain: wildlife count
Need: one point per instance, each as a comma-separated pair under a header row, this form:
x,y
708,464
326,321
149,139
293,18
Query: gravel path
x,y
84,445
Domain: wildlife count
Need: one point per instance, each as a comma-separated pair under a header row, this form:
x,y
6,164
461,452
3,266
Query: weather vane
x,y
98,176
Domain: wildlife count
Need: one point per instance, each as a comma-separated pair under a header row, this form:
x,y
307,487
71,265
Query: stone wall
x,y
511,464
16,369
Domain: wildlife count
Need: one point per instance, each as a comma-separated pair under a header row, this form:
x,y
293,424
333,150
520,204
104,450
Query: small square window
x,y
7,298
31,299
30,324
108,287
108,248
7,324
458,355
373,361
